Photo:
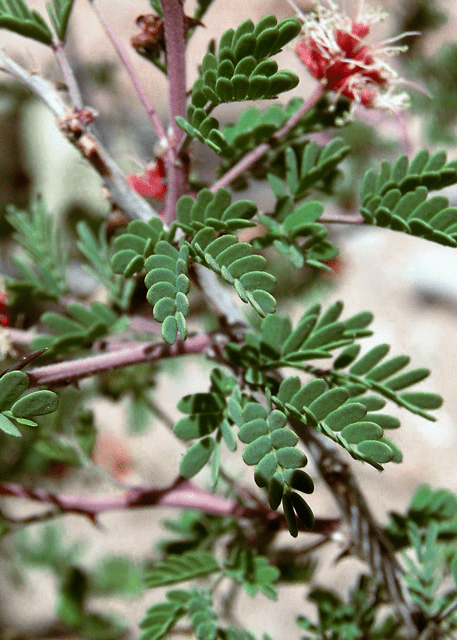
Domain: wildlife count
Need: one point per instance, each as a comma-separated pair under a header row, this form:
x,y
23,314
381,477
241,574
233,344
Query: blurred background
x,y
409,285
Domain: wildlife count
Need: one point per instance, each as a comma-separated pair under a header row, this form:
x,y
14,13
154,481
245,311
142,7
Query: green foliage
x,y
162,617
427,507
289,226
15,407
201,8
180,568
317,334
312,166
254,398
242,70
255,127
372,371
396,197
167,283
16,16
166,273
238,265
271,447
215,211
80,328
206,419
426,576
195,530
135,245
35,231
97,252
197,605
59,13
335,414
254,572
350,620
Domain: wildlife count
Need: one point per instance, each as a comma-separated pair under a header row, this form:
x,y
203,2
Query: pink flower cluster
x,y
331,47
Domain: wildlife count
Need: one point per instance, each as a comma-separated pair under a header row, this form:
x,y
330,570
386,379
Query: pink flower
x,y
152,185
333,50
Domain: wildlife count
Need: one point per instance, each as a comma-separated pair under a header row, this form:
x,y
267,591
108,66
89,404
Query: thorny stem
x,y
122,195
72,370
176,170
259,151
124,58
181,494
68,75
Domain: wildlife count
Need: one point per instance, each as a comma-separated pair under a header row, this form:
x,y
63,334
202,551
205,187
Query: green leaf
x,y
301,481
16,16
375,450
37,403
180,568
196,457
360,431
160,620
255,451
253,572
58,451
59,13
291,458
302,510
8,427
12,386
345,415
422,399
289,514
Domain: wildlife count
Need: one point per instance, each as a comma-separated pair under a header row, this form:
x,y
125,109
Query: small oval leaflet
x,y
303,511
265,470
12,385
291,458
8,427
301,481
37,403
283,438
255,451
196,457
375,450
252,430
360,431
275,491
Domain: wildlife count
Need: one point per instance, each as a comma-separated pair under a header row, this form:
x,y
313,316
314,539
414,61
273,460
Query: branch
x,y
259,151
73,370
155,121
175,39
368,539
68,75
73,127
182,494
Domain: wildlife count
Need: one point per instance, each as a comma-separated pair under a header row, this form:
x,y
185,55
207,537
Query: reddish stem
x,y
72,370
182,494
259,151
160,131
177,182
